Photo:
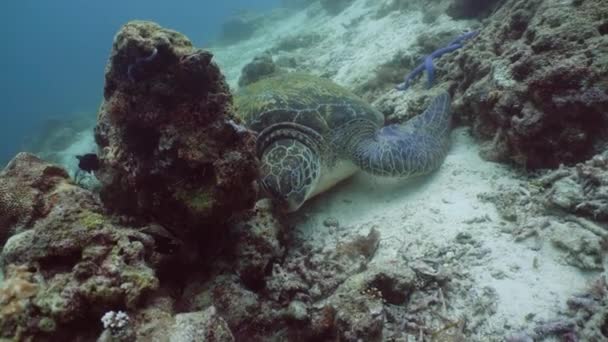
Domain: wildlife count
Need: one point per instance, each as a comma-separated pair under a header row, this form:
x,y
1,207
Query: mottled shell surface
x,y
303,99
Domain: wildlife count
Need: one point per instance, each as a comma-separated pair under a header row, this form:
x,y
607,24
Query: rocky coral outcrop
x,y
534,83
67,263
169,146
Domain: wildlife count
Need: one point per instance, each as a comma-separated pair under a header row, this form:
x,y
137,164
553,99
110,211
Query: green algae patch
x,y
136,283
47,325
200,201
303,99
91,220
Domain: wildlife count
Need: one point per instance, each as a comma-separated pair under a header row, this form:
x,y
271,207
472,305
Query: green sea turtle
x,y
313,133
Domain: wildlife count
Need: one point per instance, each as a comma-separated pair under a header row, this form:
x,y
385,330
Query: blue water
x,y
54,52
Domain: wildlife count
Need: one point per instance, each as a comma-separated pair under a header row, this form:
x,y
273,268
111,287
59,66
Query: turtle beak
x,y
284,203
293,204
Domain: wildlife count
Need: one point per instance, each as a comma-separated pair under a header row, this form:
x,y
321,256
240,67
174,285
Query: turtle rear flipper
x,y
414,148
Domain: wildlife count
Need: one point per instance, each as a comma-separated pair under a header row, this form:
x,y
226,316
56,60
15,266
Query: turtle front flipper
x,y
290,162
402,150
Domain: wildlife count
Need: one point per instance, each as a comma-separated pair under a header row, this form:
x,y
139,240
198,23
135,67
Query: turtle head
x,y
290,164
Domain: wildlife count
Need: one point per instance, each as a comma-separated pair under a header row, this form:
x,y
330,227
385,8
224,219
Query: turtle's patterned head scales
x,y
290,172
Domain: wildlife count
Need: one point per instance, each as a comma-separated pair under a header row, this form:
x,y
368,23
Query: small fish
x,y
88,162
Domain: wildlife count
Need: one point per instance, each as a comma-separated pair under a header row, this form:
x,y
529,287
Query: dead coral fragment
x,y
582,189
361,245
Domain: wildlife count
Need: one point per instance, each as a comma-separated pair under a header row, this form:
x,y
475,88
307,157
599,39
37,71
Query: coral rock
x,y
258,245
534,82
170,148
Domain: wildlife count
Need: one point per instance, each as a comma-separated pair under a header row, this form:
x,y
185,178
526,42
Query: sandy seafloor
x,y
421,217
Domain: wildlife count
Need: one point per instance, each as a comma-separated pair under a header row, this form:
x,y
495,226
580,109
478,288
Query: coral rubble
x,y
582,189
564,210
585,320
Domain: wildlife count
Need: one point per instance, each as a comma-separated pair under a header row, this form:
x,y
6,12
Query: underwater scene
x,y
304,170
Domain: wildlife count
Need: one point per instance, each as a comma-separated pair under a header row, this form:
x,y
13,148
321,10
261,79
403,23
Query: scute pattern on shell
x,y
303,99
